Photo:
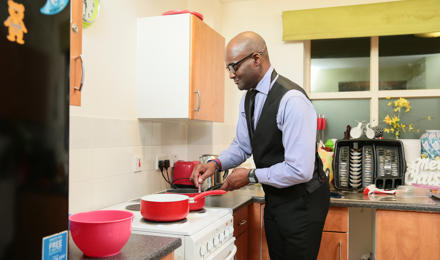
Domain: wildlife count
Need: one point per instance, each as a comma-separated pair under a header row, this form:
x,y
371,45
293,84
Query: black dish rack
x,y
358,163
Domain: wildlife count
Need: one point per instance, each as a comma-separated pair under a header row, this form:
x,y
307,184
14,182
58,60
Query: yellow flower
x,y
429,117
394,120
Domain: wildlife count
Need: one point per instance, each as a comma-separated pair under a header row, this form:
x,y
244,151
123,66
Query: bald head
x,y
247,42
247,59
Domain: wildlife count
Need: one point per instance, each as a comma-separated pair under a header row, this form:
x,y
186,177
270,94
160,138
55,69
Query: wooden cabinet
x,y
257,245
76,69
407,235
241,233
170,256
334,241
180,69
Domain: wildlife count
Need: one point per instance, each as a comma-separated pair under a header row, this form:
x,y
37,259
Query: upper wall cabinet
x,y
180,69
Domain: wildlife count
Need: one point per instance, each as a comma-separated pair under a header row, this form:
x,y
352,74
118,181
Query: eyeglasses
x,y
234,66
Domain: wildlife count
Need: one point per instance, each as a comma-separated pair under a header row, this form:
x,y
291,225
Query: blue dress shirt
x,y
297,121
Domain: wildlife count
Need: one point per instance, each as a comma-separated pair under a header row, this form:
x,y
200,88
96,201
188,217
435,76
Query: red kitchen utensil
x,y
101,233
199,15
168,207
198,203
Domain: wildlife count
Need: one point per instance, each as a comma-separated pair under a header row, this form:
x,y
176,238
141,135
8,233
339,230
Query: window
x,y
349,80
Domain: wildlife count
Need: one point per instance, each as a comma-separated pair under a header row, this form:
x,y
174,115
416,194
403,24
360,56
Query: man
x,y
277,125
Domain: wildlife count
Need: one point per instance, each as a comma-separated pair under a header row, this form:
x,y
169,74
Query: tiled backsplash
x,y
102,152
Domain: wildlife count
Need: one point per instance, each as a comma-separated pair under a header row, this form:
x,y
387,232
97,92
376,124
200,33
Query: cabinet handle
x,y
75,28
199,101
242,222
82,73
339,250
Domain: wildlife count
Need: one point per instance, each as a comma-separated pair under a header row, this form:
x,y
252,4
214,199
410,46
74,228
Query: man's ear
x,y
258,59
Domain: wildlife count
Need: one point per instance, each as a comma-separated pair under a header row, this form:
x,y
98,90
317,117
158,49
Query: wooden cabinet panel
x,y
241,220
206,72
75,52
407,235
257,248
241,242
337,220
333,246
241,234
170,256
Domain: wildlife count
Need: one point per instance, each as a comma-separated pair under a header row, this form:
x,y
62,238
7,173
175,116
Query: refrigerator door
x,y
34,123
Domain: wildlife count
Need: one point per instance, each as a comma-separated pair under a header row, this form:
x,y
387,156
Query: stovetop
x,y
193,223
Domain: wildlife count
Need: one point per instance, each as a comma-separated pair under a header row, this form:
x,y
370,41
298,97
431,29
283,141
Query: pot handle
x,y
206,193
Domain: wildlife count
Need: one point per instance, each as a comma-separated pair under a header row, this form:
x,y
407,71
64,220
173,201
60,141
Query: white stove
x,y
206,234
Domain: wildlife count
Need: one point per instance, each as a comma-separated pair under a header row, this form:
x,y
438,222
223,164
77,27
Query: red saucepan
x,y
170,207
198,203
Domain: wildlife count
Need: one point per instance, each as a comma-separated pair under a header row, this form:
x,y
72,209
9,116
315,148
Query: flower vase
x,y
411,148
430,141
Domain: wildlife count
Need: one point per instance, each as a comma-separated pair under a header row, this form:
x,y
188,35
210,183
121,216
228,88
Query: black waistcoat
x,y
266,139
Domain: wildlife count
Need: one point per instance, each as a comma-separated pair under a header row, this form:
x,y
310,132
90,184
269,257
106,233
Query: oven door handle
x,y
231,254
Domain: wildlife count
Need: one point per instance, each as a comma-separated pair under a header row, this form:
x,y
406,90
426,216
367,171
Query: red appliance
x,y
182,172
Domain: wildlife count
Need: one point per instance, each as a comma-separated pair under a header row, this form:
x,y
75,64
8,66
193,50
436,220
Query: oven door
x,y
225,252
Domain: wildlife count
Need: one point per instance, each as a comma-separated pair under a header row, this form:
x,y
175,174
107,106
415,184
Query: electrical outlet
x,y
137,164
173,159
160,158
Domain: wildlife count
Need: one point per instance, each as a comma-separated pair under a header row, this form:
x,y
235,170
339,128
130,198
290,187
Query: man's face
x,y
242,68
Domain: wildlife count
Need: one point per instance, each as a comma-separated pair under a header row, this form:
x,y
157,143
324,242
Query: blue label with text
x,y
55,247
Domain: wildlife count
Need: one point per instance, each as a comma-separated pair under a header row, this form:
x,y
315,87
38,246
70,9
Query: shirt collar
x,y
264,85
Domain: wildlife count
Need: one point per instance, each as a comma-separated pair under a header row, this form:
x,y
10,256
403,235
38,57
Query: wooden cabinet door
x,y
241,242
206,72
241,224
257,248
407,235
75,52
337,220
333,246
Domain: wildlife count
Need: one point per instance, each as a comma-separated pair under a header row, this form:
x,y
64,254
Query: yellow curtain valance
x,y
390,18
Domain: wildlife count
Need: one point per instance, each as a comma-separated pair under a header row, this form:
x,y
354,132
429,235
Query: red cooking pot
x,y
170,207
198,203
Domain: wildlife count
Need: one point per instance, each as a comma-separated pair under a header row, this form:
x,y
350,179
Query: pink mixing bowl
x,y
101,233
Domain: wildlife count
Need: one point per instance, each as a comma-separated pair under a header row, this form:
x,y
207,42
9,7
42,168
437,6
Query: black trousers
x,y
294,226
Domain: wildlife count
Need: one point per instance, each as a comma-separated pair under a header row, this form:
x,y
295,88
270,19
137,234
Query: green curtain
x,y
390,18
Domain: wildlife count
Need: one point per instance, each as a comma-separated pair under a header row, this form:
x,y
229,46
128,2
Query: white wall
x,y
104,132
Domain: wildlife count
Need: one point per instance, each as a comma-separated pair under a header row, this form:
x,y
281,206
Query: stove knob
x,y
222,237
216,240
210,245
203,250
226,232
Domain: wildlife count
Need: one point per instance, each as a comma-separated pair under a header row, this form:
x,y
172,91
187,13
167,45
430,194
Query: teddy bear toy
x,y
15,22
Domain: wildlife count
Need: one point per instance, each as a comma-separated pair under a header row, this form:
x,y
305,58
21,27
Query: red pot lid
x,y
199,15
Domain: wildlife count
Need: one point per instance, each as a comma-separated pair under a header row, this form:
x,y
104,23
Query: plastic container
x,y
408,191
101,233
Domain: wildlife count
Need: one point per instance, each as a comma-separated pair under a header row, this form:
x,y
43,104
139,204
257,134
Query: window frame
x,y
374,94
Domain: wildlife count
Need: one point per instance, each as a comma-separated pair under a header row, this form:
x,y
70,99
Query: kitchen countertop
x,y
143,247
254,193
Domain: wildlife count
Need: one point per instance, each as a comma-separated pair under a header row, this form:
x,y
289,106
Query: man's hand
x,y
202,171
237,179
